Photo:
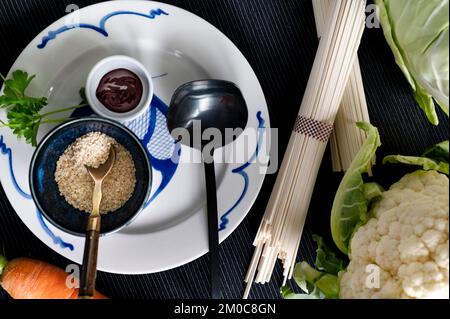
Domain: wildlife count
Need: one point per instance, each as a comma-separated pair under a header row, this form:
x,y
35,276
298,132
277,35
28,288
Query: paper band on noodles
x,y
319,130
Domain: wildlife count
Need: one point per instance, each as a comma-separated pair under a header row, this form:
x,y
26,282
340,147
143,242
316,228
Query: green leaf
x,y
22,110
418,34
288,294
14,91
372,191
3,263
326,259
426,163
439,152
316,283
426,103
304,274
443,107
350,205
329,286
435,158
16,86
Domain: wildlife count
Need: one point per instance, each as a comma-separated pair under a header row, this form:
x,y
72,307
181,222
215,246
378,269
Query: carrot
x,y
25,278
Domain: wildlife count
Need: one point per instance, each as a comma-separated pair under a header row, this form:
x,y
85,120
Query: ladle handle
x,y
213,229
89,268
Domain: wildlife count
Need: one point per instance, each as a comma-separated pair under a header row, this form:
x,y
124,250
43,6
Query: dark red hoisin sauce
x,y
120,91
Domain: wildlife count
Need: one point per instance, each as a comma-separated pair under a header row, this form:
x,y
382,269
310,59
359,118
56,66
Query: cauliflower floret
x,y
403,252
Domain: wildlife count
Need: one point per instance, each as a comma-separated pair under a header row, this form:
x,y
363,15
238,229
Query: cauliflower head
x,y
403,251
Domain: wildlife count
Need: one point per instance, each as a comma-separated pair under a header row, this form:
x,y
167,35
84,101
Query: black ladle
x,y
214,104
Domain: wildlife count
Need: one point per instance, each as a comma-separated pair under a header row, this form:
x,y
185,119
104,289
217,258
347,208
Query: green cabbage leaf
x,y
418,33
436,158
321,282
353,197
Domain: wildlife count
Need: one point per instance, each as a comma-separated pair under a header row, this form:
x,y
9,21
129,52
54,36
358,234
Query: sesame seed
x,y
76,185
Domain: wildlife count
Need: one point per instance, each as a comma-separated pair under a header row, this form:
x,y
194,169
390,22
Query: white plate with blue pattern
x,y
176,46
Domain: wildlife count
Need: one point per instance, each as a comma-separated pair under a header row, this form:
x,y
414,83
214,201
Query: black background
x,y
278,37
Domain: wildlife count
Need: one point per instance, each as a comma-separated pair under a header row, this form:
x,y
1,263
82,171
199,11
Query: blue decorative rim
x,y
101,28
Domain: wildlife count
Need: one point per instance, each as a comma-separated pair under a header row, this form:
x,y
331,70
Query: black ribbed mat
x,y
278,38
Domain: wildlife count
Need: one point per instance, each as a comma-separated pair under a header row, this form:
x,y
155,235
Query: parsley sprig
x,y
23,111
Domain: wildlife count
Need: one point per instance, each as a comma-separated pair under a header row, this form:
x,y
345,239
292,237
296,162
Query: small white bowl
x,y
112,63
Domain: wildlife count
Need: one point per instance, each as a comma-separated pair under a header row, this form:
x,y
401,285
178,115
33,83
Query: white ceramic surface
x,y
177,47
119,62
